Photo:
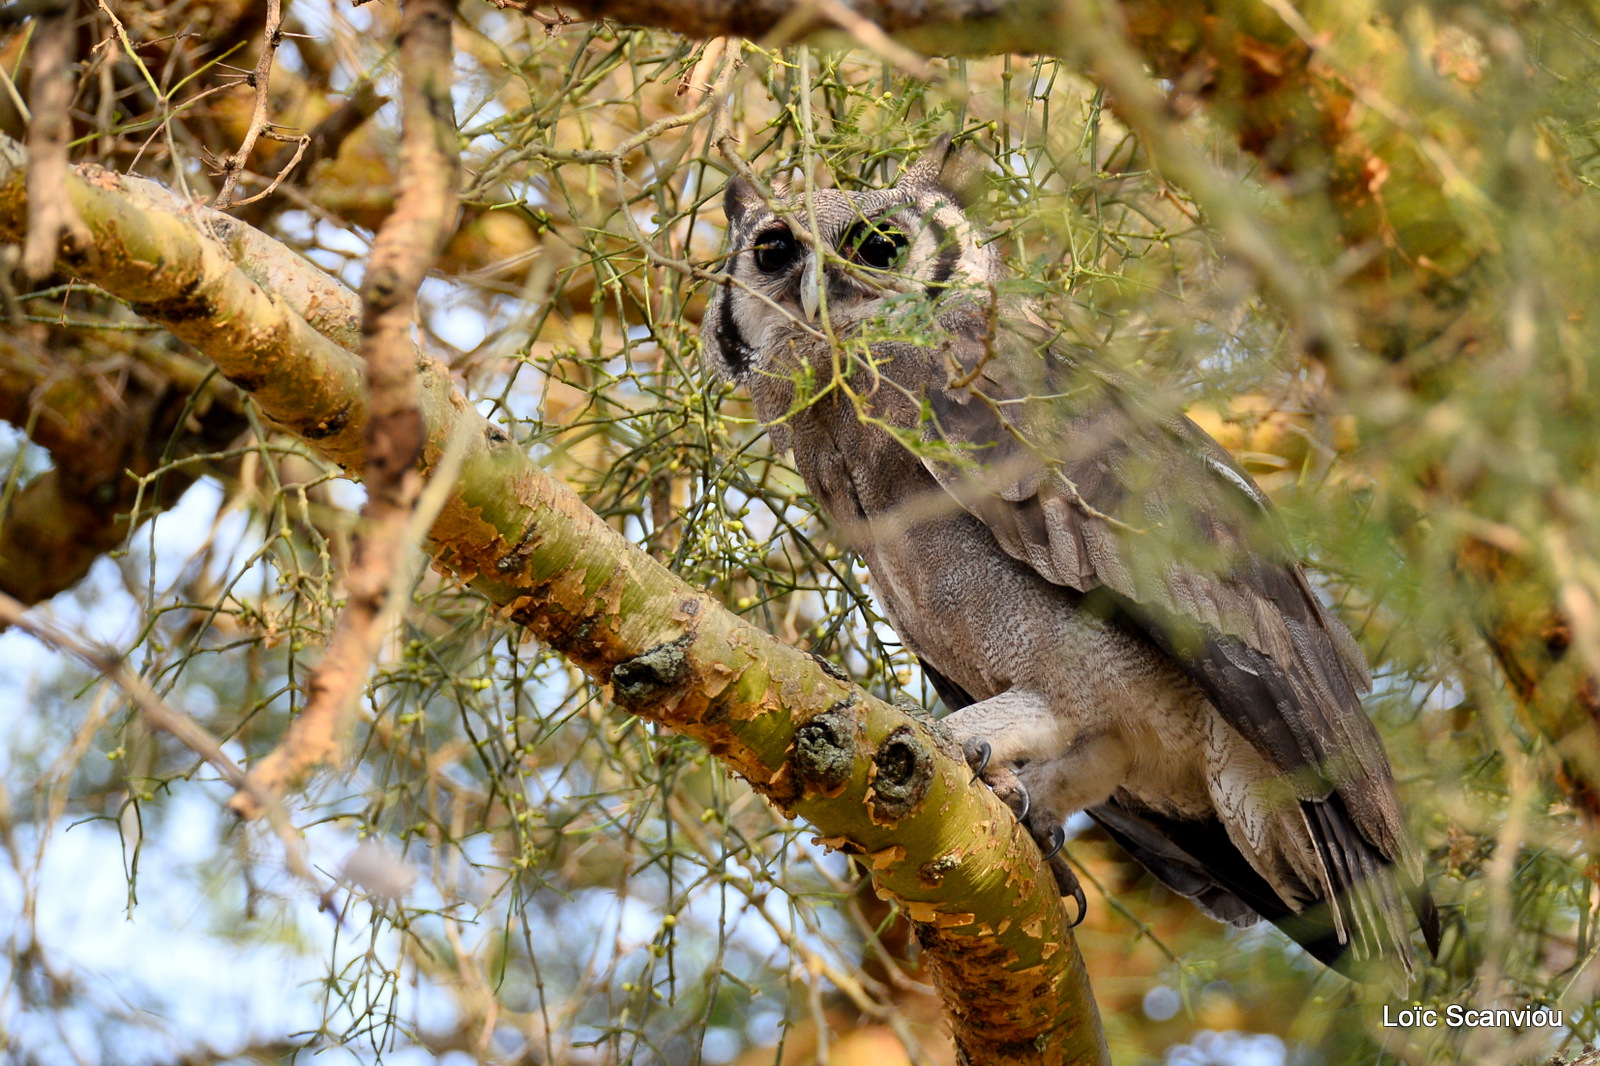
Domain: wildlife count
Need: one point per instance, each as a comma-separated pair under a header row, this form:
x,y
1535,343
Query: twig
x,y
52,222
697,83
408,244
258,79
301,143
1115,64
553,24
321,142
625,147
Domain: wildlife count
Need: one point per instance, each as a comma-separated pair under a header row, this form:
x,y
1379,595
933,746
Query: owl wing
x,y
1157,525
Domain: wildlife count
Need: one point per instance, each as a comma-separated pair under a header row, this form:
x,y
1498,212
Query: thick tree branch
x,y
874,780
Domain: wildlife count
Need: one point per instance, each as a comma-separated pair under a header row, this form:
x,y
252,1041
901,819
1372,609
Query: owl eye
x,y
775,251
872,245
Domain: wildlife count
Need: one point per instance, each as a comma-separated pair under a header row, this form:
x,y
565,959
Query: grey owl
x,y
1097,591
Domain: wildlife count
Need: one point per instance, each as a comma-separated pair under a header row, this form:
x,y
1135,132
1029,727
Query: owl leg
x,y
1009,729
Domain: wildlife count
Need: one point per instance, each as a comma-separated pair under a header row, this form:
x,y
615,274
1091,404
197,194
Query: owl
x,y
1099,593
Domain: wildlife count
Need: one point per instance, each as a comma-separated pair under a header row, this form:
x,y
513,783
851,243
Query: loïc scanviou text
x,y
1458,1017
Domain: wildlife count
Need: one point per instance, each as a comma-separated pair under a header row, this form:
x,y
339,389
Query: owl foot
x,y
1005,784
978,753
1002,782
1054,841
1020,799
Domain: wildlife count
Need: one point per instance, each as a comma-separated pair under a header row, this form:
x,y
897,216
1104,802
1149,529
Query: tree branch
x,y
406,246
49,130
104,441
259,79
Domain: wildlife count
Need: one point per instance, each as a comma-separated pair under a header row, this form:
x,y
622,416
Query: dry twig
x,y
170,720
259,79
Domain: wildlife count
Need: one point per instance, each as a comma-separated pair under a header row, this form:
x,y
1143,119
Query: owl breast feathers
x,y
1102,597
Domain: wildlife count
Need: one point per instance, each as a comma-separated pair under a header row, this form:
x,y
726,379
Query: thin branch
x,y
259,79
553,24
300,145
321,143
169,720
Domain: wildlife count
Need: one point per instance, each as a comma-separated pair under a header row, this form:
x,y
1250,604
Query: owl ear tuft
x,y
956,170
738,197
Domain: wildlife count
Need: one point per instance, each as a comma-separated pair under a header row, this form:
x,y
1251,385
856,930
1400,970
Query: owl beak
x,y
810,285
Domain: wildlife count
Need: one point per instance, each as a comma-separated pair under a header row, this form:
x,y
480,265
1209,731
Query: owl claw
x,y
1004,783
1027,805
1066,880
1083,905
978,753
1056,841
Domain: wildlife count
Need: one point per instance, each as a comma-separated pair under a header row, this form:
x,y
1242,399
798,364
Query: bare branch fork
x,y
259,79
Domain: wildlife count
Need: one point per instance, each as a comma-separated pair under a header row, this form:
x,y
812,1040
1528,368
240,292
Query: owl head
x,y
913,237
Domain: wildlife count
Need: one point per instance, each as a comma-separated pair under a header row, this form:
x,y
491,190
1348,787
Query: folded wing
x,y
1154,522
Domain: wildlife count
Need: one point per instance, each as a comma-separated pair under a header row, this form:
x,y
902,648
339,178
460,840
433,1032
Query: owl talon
x,y
1083,905
1026,802
1066,880
1055,841
978,753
